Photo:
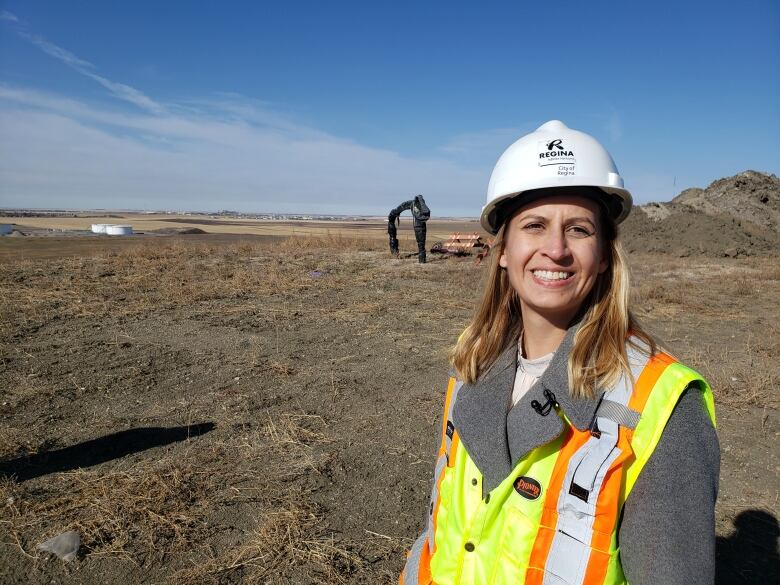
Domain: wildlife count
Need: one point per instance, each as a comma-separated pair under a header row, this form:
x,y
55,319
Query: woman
x,y
573,450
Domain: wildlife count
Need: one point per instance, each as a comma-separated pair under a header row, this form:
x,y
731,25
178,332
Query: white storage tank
x,y
5,229
119,230
99,228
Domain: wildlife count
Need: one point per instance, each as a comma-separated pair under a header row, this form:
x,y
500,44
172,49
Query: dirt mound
x,y
735,216
681,230
750,195
178,231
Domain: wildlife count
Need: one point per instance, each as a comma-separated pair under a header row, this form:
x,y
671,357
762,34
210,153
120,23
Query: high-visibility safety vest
x,y
555,518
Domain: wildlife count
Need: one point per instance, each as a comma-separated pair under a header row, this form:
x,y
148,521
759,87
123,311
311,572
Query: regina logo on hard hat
x,y
556,152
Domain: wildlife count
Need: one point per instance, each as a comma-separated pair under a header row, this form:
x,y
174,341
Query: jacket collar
x,y
496,440
579,411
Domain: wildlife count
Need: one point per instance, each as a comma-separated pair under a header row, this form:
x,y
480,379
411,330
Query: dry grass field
x,y
266,410
368,228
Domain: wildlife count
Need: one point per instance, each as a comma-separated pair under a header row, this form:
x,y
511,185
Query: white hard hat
x,y
553,157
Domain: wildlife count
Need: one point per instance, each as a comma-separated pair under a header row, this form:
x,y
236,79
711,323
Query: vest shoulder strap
x,y
656,393
448,433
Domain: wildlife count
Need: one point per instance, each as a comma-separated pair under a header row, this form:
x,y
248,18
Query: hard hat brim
x,y
616,202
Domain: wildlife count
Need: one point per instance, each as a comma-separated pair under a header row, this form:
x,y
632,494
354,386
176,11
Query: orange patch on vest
x,y
528,487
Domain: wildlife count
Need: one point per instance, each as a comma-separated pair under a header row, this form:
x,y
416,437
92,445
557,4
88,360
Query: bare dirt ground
x,y
267,411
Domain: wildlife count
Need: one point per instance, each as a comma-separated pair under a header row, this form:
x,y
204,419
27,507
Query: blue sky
x,y
353,107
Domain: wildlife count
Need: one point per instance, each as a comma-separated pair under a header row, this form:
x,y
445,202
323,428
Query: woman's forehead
x,y
566,205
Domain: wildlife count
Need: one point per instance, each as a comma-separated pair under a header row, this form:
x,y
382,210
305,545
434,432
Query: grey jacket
x,y
667,532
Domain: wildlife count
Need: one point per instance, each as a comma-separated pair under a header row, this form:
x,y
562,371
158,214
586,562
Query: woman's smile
x,y
552,277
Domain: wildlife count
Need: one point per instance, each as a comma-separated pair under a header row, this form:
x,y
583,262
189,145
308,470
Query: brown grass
x,y
149,510
287,541
117,513
151,277
723,296
332,241
741,376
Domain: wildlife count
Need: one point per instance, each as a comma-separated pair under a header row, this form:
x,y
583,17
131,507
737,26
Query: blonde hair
x,y
599,353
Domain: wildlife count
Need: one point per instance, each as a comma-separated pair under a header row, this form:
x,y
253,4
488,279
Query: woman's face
x,y
553,254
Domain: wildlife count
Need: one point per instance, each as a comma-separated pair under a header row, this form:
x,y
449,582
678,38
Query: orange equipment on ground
x,y
462,244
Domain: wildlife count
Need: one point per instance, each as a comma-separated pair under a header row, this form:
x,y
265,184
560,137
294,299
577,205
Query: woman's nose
x,y
555,246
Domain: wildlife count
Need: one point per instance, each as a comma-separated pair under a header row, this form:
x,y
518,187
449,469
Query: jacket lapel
x,y
497,440
479,416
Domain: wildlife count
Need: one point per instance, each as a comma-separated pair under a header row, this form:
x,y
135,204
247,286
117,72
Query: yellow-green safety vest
x,y
554,519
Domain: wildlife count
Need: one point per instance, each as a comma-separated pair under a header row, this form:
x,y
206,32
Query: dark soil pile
x,y
679,230
750,195
735,216
178,231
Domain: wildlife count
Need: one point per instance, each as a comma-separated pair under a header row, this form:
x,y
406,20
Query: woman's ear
x,y
502,260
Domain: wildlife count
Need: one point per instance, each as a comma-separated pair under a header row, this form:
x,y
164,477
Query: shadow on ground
x,y
750,554
100,450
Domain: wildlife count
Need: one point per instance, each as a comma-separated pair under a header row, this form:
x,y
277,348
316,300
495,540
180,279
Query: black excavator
x,y
421,214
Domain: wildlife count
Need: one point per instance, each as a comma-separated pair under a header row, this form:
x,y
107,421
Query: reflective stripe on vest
x,y
554,520
417,569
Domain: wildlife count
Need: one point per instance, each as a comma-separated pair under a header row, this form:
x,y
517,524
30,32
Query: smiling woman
x,y
553,255
564,423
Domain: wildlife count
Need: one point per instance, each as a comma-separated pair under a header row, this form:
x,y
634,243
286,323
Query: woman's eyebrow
x,y
581,218
568,220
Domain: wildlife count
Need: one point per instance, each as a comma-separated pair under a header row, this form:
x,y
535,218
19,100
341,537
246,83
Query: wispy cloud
x,y
5,15
126,93
119,90
57,52
223,153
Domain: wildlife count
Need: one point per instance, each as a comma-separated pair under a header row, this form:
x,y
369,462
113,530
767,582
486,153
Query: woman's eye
x,y
579,230
533,226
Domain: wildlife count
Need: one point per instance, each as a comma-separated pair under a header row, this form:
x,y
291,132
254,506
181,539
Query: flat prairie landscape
x,y
265,408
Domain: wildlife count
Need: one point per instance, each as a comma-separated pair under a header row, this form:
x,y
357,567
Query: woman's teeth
x,y
550,275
